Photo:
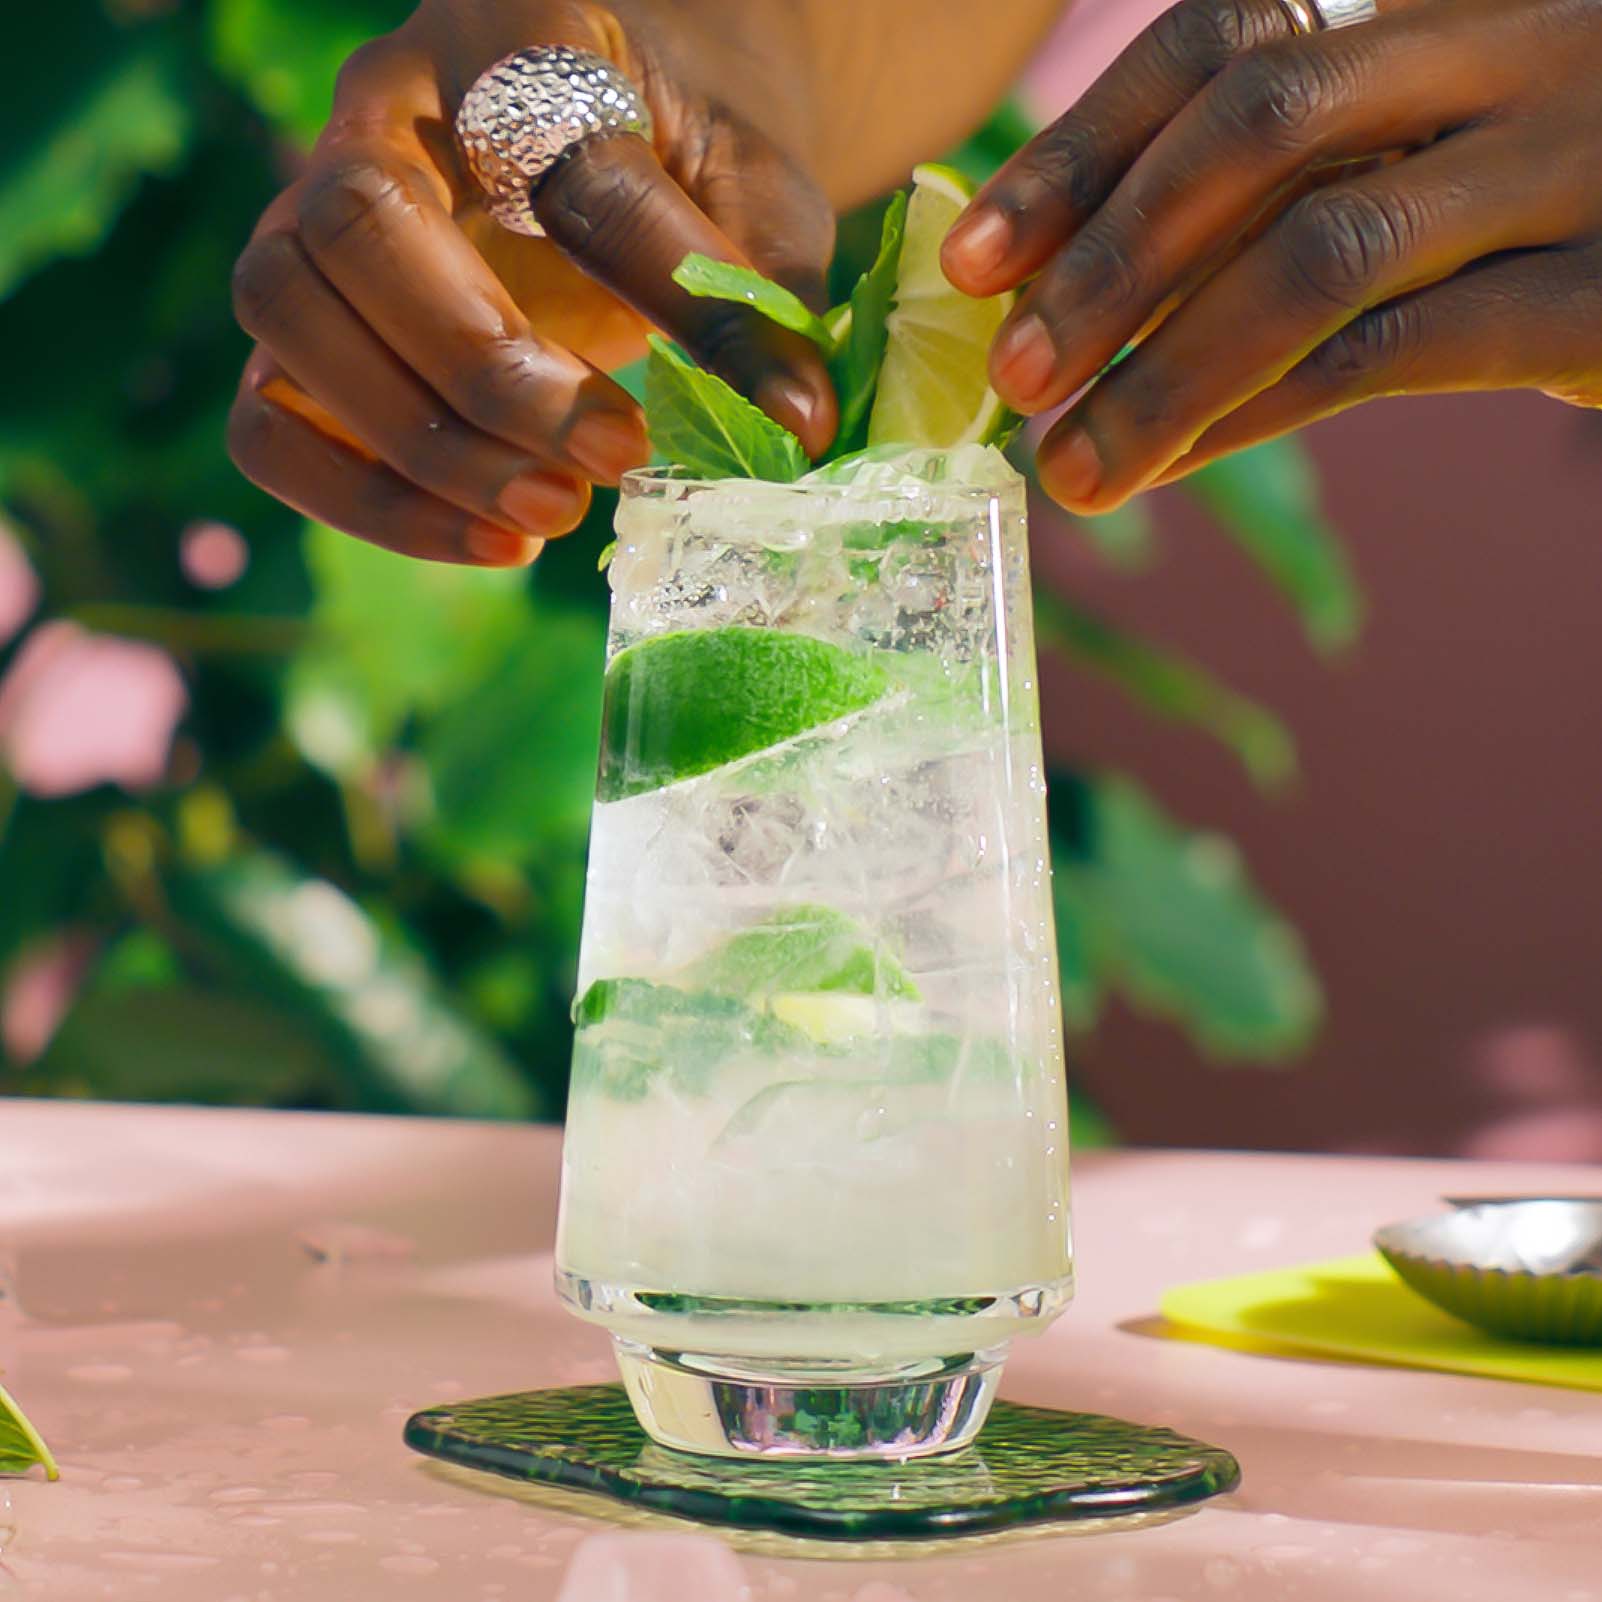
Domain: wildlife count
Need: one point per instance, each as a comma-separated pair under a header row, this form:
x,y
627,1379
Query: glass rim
x,y
658,479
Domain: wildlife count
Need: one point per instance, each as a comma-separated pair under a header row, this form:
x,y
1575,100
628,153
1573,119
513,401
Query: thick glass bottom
x,y
734,1407
874,1336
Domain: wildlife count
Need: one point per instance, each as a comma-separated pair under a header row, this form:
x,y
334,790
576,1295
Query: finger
x,y
284,453
1336,252
1528,321
1261,123
1055,183
377,230
339,362
769,208
610,206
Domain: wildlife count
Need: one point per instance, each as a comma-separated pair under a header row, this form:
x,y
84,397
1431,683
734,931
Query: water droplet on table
x,y
408,1563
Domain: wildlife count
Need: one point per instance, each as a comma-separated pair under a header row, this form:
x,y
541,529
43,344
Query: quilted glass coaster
x,y
1030,1465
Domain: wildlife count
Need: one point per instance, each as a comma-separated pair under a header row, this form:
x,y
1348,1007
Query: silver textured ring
x,y
524,113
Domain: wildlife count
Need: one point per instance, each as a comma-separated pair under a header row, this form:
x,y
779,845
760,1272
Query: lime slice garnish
x,y
934,386
803,948
683,704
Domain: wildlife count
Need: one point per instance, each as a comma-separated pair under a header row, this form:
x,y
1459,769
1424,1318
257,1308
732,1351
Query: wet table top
x,y
220,1321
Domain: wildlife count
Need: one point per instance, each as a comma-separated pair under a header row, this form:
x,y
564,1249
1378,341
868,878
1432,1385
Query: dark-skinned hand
x,y
1291,224
430,382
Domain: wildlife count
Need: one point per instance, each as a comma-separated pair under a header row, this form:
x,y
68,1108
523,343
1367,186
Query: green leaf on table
x,y
855,366
285,54
726,280
1267,500
395,1036
699,423
1171,920
20,1443
98,108
1169,686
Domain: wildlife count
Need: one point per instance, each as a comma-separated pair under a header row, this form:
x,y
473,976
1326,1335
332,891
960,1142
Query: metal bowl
x,y
1528,1269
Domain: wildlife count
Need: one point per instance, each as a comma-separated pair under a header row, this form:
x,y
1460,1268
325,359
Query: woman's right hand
x,y
433,383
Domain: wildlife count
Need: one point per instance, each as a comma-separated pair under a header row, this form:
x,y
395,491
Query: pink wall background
x,y
1443,854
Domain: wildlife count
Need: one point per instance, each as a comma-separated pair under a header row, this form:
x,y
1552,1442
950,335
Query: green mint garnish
x,y
20,1445
725,280
700,423
604,560
855,365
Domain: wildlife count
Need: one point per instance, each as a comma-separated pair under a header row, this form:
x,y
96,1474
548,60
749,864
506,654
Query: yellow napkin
x,y
1356,1307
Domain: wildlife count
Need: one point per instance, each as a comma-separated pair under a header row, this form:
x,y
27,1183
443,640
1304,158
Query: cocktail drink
x,y
816,1174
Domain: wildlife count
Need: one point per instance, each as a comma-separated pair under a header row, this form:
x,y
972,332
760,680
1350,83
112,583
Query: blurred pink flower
x,y
19,589
212,555
38,990
1562,1135
1549,1087
80,709
1082,47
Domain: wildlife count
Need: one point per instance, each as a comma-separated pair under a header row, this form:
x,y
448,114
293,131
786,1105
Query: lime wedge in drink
x,y
683,704
934,387
806,949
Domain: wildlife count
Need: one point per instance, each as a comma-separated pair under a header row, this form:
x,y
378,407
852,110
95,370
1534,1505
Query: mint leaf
x,y
633,1033
855,366
20,1445
604,560
805,947
701,424
725,280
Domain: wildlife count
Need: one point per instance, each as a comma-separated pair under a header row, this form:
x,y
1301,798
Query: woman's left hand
x,y
1189,196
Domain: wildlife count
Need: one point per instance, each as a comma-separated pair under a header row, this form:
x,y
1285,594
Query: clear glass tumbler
x,y
816,1167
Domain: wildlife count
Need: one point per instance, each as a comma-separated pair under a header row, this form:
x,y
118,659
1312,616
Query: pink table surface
x,y
227,1409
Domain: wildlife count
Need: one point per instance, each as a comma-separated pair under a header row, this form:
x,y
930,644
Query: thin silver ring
x,y
1309,16
1345,13
528,110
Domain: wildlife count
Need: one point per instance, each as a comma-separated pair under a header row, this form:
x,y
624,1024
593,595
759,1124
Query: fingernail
x,y
500,547
539,502
788,401
1024,361
1070,468
607,444
978,243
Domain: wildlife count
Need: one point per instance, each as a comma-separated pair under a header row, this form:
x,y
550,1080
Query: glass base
x,y
734,1407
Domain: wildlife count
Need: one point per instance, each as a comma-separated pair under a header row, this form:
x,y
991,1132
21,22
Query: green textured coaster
x,y
1030,1465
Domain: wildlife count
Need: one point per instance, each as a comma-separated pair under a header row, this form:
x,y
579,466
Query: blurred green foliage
x,y
359,883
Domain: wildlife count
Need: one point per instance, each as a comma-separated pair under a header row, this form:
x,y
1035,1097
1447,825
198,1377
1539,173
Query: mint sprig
x,y
854,367
700,423
20,1443
726,280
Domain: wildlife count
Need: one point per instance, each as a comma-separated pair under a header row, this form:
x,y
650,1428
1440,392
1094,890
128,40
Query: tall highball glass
x,y
816,1171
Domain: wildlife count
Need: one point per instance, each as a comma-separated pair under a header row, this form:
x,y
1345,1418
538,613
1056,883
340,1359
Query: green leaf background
x,y
360,884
